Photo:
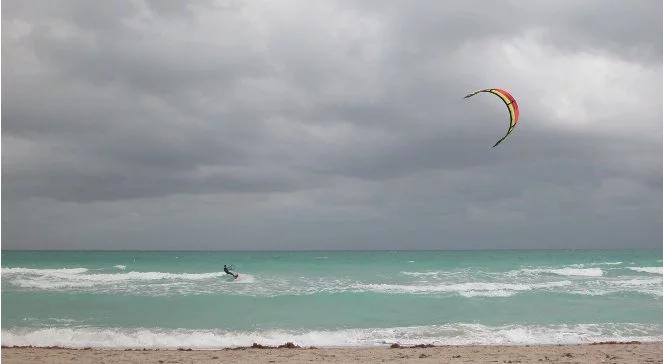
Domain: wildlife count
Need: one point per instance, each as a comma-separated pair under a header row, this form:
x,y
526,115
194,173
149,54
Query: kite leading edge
x,y
510,103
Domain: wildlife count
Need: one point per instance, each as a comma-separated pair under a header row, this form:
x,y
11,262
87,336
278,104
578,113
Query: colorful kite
x,y
510,104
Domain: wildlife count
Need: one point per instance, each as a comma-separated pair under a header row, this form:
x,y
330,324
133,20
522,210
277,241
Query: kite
x,y
510,103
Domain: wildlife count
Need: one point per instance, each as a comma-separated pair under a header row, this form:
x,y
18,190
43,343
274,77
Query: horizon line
x,y
319,250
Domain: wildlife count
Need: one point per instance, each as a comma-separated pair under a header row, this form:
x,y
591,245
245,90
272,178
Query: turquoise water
x,y
342,298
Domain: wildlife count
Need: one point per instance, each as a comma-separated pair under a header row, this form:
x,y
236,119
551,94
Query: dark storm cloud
x,y
309,125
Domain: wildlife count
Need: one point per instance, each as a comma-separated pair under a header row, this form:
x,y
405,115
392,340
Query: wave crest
x,y
583,272
471,289
652,270
449,334
79,278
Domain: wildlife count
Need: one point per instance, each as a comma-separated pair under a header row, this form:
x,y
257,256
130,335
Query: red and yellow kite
x,y
510,104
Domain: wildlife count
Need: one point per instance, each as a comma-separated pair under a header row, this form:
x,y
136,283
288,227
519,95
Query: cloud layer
x,y
330,125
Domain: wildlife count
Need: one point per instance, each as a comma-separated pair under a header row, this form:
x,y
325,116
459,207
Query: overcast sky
x,y
330,125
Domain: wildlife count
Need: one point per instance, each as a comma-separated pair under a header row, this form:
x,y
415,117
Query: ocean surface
x,y
152,299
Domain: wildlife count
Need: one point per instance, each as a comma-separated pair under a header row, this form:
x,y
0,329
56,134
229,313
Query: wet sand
x,y
588,353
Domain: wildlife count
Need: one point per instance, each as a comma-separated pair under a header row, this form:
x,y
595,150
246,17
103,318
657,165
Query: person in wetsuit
x,y
227,270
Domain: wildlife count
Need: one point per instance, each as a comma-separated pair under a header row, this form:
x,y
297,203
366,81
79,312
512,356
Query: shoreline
x,y
622,352
292,345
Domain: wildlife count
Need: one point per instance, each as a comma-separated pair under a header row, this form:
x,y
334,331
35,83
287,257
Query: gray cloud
x,y
304,125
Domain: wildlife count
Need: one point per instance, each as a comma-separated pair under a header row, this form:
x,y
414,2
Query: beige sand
x,y
602,353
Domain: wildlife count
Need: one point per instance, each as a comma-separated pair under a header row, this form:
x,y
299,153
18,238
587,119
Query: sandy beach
x,y
589,353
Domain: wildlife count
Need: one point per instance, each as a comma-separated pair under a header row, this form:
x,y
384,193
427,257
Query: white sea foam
x,y
582,265
653,270
77,273
651,286
60,271
76,278
50,284
470,289
466,283
120,266
418,274
451,334
567,271
638,282
245,278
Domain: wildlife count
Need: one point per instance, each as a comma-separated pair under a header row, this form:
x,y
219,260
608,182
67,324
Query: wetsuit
x,y
225,269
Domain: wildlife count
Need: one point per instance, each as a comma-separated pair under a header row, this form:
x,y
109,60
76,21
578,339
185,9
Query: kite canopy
x,y
510,103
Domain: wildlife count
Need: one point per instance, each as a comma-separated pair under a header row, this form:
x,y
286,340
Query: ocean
x,y
173,299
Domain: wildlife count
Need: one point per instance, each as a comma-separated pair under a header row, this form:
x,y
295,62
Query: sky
x,y
331,125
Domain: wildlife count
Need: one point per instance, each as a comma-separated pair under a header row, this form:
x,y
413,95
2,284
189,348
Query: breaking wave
x,y
473,289
653,270
450,334
466,283
420,274
583,272
79,278
46,272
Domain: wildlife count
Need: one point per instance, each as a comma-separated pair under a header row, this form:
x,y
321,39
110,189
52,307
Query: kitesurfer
x,y
227,270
